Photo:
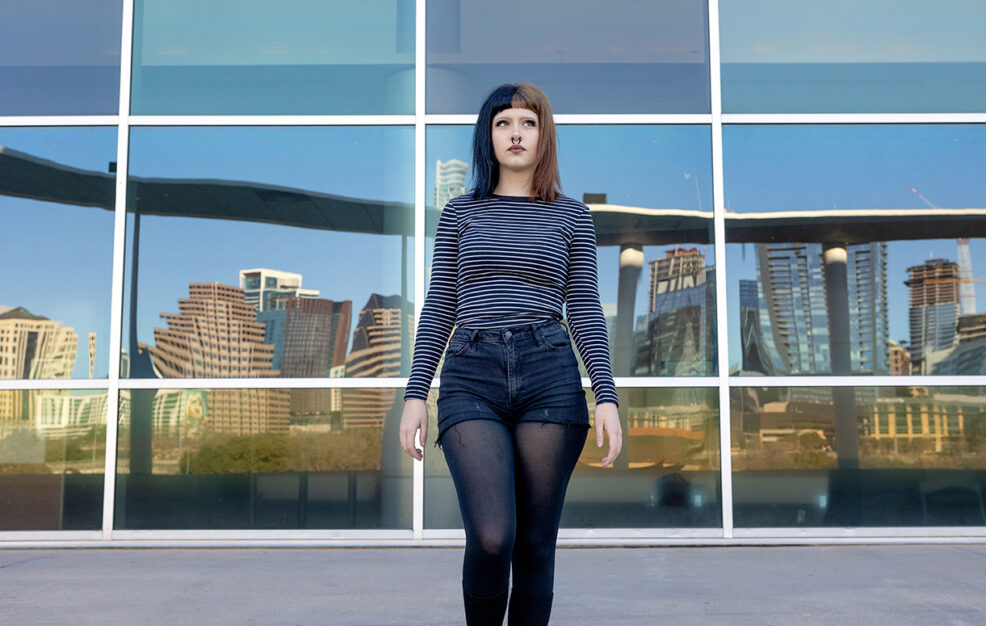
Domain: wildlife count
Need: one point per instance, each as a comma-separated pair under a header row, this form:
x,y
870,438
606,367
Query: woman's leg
x,y
546,456
480,456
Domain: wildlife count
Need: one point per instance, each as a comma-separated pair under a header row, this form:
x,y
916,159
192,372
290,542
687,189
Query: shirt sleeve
x,y
585,313
439,310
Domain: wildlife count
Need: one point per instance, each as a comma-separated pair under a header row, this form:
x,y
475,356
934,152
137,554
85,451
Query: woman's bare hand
x,y
414,420
608,420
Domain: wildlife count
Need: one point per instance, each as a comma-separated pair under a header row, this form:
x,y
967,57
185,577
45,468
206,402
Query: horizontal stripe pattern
x,y
506,261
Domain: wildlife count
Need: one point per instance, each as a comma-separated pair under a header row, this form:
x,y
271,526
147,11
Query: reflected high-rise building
x,y
33,346
216,335
310,337
756,354
261,285
376,353
793,288
676,337
933,313
450,180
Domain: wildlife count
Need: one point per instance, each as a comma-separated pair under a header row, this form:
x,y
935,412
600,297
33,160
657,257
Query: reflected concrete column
x,y
834,259
631,264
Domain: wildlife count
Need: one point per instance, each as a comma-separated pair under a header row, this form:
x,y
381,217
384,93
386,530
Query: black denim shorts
x,y
516,374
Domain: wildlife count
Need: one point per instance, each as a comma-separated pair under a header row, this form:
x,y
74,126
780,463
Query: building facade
x,y
790,235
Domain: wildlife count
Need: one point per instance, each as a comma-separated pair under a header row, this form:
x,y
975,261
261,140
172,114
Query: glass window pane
x,y
60,57
667,475
894,56
57,196
588,57
863,456
52,455
856,249
261,252
261,458
649,189
295,57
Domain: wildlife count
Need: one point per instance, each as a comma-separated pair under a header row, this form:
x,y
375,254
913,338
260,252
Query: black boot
x,y
484,611
529,610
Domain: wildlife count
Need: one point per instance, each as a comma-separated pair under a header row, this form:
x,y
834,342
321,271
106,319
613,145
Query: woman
x,y
512,415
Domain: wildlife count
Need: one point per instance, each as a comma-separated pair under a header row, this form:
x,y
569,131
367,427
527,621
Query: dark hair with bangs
x,y
485,167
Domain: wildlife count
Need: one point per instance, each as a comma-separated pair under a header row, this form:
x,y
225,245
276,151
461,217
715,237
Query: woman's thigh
x,y
480,457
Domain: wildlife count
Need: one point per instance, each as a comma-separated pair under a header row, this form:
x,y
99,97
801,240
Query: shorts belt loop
x,y
472,334
538,335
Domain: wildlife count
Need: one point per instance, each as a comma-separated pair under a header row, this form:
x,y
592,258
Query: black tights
x,y
511,487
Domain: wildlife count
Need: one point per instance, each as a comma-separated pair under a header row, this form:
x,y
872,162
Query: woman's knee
x,y
494,542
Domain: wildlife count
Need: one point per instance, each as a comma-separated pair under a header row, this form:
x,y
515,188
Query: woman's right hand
x,y
414,420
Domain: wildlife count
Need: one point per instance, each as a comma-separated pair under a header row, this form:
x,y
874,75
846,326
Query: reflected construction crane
x,y
967,287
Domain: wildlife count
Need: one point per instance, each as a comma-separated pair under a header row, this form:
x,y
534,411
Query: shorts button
x,y
507,334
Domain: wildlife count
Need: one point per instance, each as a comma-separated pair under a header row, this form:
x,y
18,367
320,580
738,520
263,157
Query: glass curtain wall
x,y
790,221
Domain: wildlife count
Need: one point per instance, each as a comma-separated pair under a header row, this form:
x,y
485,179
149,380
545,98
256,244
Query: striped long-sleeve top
x,y
506,261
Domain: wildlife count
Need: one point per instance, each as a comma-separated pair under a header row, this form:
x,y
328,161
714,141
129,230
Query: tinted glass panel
x,y
864,456
897,56
650,192
60,57
665,477
856,249
292,57
258,252
56,207
52,455
262,458
588,57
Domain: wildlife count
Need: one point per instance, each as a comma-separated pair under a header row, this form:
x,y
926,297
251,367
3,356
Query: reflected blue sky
x,y
57,259
848,31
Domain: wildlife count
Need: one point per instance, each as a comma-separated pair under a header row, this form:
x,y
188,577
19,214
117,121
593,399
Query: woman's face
x,y
515,139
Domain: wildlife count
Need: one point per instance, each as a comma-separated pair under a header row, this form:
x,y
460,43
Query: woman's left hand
x,y
608,420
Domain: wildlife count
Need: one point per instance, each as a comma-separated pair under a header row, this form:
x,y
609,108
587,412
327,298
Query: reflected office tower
x,y
450,180
310,337
32,346
756,355
216,335
793,287
376,353
674,339
934,312
261,285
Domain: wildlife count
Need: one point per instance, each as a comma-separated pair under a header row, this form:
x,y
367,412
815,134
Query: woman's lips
x,y
516,149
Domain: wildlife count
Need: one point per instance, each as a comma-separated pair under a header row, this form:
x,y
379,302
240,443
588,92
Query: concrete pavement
x,y
846,584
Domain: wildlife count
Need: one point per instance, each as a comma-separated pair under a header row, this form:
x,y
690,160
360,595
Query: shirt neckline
x,y
496,195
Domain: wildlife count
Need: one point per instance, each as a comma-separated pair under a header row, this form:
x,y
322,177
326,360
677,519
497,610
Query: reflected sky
x,y
57,258
847,31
